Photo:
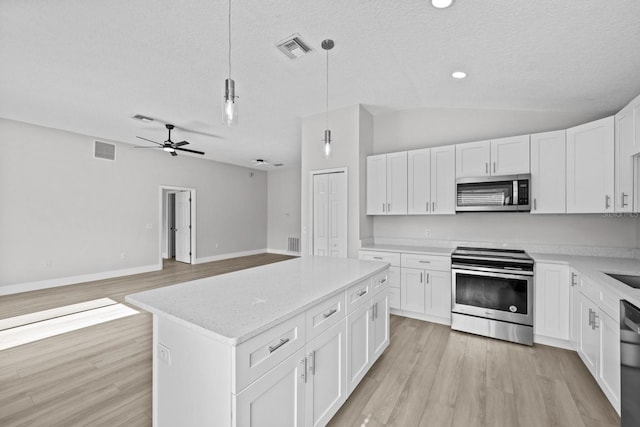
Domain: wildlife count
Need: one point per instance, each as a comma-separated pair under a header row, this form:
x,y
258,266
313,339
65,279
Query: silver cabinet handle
x,y
433,206
375,307
383,281
486,168
624,204
388,207
427,278
330,313
535,205
421,277
362,292
311,365
282,342
595,321
424,262
606,201
303,376
383,206
377,257
591,313
573,279
494,167
426,207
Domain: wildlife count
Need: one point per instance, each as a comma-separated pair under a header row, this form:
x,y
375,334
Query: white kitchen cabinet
x,y
588,336
625,129
510,156
609,367
634,108
359,347
387,184
277,398
438,294
392,258
380,320
553,291
473,159
431,181
412,290
590,163
326,372
548,172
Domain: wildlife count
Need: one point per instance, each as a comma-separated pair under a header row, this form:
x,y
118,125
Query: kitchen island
x,y
282,344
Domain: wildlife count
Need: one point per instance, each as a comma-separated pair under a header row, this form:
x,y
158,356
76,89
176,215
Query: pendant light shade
x,y
229,105
327,45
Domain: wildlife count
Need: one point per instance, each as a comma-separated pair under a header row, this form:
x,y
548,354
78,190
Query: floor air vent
x,y
104,150
293,244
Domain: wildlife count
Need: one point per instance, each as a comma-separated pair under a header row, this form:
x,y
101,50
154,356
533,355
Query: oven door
x,y
495,295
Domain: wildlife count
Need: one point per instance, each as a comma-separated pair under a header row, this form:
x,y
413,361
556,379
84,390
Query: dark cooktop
x,y
632,281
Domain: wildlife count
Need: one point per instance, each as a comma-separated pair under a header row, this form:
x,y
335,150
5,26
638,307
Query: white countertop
x,y
427,250
234,307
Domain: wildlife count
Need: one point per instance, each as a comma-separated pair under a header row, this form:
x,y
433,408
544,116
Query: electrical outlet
x,y
48,264
123,256
427,233
164,354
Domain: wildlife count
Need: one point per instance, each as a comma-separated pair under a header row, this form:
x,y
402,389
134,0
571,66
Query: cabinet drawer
x,y
394,298
253,358
380,281
392,258
324,315
358,294
426,262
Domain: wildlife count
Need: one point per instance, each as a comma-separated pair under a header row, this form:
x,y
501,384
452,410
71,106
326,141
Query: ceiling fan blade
x,y
190,151
173,153
148,140
144,146
180,144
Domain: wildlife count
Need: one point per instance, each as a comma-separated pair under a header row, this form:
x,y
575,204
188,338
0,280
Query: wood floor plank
x,y
498,375
500,409
447,381
472,389
529,400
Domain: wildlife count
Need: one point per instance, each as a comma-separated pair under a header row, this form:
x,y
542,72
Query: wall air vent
x,y
104,150
293,46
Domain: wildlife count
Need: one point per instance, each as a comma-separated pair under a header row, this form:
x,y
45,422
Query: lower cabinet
x,y
412,290
588,335
552,305
276,399
426,292
380,329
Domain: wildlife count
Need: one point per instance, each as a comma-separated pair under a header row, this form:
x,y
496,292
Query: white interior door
x,y
183,226
330,214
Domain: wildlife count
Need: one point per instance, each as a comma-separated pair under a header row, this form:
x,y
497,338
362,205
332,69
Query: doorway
x,y
330,213
177,224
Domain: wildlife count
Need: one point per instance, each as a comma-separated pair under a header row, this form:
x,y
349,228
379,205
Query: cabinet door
x,y
552,301
419,181
326,372
510,156
624,129
548,172
634,107
588,337
412,290
358,345
472,159
394,298
609,367
590,177
438,293
397,183
380,327
377,184
277,398
443,180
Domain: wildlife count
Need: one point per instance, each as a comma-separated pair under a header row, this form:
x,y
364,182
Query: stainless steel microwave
x,y
494,193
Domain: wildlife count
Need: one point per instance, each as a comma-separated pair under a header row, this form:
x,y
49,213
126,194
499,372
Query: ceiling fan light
x,y
441,4
169,149
458,74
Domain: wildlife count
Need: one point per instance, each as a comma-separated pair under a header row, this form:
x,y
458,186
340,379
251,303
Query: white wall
x,y
348,127
63,208
430,127
283,207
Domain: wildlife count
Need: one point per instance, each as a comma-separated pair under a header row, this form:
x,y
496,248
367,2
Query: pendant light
x,y
327,45
229,106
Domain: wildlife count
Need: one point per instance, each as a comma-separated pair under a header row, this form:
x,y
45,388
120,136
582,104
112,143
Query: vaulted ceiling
x,y
88,66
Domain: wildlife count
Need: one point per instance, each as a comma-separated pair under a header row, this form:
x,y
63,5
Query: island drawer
x,y
426,262
380,281
358,294
324,315
256,356
392,258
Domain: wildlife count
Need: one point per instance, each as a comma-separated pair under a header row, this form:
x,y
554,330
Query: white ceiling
x,y
87,66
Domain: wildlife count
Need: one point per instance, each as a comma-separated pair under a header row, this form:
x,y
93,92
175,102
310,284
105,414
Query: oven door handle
x,y
492,272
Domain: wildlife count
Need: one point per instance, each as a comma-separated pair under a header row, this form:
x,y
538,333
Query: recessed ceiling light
x,y
441,4
458,74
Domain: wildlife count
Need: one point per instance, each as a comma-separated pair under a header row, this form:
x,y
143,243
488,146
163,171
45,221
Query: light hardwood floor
x,y
429,375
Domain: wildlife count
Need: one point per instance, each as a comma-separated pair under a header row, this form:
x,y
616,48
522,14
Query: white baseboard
x,y
282,252
63,281
553,342
227,256
421,316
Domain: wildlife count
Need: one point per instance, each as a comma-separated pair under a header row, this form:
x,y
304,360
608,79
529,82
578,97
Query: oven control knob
x,y
513,308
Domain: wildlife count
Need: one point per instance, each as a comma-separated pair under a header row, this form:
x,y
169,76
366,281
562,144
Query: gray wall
x,y
67,214
283,207
429,127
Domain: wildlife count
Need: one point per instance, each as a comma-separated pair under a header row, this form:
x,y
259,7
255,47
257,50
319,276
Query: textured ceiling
x,y
87,66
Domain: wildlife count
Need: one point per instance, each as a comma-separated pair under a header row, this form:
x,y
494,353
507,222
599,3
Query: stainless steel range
x,y
492,293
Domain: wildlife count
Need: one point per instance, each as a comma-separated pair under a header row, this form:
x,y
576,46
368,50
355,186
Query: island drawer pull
x,y
330,313
424,262
383,280
362,292
282,342
377,257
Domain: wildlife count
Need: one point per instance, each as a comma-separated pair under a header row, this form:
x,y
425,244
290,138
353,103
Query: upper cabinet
x,y
387,184
504,156
590,163
431,181
548,172
627,143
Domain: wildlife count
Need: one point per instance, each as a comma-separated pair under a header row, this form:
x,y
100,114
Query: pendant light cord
x,y
229,27
327,89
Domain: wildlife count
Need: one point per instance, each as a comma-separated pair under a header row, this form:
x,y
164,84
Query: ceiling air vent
x,y
104,150
293,46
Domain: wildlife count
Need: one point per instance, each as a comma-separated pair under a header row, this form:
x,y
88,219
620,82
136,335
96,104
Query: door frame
x,y
311,200
161,202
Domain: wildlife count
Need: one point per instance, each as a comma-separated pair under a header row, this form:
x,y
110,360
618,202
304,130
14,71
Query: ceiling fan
x,y
169,146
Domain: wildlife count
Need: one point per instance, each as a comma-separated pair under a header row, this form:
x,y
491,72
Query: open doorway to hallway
x,y
178,224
